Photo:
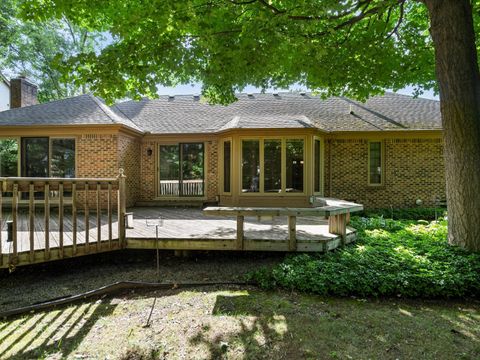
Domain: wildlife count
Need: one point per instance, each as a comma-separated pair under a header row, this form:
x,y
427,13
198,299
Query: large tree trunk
x,y
451,28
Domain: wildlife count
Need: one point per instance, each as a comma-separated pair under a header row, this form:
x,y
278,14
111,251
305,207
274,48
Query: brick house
x,y
263,150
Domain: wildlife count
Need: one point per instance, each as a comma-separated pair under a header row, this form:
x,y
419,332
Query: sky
x,y
195,88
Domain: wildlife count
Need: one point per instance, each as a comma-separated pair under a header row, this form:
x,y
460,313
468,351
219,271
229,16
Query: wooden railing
x,y
189,187
40,195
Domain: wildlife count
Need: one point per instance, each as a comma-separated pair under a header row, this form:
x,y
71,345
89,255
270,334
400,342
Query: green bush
x,y
389,258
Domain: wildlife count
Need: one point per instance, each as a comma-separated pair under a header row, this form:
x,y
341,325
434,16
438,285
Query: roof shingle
x,y
186,114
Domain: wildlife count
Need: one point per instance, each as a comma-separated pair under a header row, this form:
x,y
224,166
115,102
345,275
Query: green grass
x,y
390,258
246,323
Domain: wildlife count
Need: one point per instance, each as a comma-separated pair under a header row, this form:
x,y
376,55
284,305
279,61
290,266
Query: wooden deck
x,y
178,229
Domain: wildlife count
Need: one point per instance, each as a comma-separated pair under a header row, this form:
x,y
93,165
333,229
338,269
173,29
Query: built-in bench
x,y
337,212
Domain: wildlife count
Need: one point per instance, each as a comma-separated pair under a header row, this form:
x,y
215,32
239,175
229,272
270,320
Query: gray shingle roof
x,y
185,114
78,110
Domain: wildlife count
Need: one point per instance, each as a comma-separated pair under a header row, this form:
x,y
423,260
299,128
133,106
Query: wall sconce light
x,y
149,152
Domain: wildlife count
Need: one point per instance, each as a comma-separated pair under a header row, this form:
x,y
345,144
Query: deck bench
x,y
337,212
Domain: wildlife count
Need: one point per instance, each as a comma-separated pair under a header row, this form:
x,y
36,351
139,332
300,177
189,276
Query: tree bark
x,y
451,28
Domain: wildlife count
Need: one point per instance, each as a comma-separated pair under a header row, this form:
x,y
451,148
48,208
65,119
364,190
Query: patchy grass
x,y
389,258
245,323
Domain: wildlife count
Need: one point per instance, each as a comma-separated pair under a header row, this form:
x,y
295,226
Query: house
x,y
263,150
4,93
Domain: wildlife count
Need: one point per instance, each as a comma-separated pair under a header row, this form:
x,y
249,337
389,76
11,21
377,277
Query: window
x,y
272,166
35,157
317,166
375,163
48,157
294,168
251,166
272,162
8,157
181,169
227,161
62,158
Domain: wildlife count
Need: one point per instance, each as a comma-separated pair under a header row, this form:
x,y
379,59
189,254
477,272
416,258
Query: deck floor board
x,y
176,225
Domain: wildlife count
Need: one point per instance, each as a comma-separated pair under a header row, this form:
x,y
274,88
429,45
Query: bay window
x,y
227,164
317,166
251,166
272,165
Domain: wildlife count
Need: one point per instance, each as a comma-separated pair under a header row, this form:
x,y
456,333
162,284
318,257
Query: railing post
x,y
292,233
122,207
13,260
240,235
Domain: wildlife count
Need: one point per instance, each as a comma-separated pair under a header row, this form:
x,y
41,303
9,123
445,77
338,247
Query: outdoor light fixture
x,y
149,152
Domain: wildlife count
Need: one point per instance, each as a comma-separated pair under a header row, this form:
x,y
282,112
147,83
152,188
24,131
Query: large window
x,y
62,163
272,165
48,157
227,161
375,163
272,155
181,169
251,166
8,157
35,157
294,166
317,167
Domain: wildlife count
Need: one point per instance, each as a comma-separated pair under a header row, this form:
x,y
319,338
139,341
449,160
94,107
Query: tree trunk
x,y
451,28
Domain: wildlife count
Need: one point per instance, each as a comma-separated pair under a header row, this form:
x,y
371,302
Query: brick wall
x,y
148,168
97,155
129,161
413,169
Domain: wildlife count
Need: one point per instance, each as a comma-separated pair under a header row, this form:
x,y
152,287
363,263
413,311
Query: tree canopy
x,y
355,47
31,49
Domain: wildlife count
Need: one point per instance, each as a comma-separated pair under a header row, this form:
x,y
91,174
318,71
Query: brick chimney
x,y
22,92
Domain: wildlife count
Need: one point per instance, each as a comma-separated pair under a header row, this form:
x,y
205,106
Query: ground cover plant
x,y
409,258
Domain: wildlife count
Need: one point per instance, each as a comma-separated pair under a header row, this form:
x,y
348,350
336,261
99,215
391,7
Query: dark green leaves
x,y
353,48
389,258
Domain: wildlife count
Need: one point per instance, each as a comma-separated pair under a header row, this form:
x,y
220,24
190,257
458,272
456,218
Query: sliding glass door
x,y
181,169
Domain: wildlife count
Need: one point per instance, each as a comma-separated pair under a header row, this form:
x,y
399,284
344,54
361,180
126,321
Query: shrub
x,y
389,258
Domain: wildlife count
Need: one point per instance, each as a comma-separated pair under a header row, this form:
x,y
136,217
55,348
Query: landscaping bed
x,y
408,258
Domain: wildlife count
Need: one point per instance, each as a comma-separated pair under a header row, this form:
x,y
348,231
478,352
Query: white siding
x,y
4,96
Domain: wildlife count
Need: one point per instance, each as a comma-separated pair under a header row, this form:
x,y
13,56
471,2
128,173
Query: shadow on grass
x,y
292,327
54,332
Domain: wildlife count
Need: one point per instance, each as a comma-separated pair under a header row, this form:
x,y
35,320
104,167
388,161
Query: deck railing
x,y
82,195
188,187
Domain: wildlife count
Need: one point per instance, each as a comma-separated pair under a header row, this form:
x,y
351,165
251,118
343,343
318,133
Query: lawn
x,y
245,323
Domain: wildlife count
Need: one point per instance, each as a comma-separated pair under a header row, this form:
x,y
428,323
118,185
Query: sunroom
x,y
270,168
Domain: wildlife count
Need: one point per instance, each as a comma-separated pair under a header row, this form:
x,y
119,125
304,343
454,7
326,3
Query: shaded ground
x,y
36,283
232,322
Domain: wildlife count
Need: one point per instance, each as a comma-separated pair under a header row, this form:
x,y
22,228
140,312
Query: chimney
x,y
22,92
